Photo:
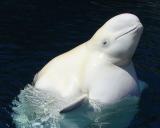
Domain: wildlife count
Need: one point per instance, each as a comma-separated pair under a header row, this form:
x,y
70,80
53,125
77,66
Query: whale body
x,y
100,69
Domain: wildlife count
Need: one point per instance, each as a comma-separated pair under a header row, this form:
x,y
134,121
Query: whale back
x,y
64,73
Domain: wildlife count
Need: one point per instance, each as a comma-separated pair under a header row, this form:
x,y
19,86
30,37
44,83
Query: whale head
x,y
117,39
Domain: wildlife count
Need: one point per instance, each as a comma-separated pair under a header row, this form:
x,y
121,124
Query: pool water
x,y
40,109
33,32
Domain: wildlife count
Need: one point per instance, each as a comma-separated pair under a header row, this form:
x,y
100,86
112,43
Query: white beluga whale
x,y
100,69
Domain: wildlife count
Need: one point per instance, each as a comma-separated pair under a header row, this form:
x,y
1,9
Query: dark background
x,y
32,32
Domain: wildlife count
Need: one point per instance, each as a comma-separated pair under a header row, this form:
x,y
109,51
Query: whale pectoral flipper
x,y
75,104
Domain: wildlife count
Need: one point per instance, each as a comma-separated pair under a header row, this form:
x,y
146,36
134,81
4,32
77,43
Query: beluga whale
x,y
100,69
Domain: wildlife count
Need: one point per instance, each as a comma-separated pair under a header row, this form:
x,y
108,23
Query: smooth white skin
x,y
103,71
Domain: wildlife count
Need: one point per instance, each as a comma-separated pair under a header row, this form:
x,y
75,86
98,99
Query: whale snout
x,y
123,23
137,29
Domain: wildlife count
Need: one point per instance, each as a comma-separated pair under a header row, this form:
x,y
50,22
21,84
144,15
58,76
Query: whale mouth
x,y
133,29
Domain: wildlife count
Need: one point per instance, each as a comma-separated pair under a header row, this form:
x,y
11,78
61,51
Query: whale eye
x,y
105,43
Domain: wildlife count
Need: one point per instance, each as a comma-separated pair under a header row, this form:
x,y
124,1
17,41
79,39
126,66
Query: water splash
x,y
34,108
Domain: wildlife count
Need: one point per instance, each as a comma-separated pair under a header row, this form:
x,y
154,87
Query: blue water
x,y
33,32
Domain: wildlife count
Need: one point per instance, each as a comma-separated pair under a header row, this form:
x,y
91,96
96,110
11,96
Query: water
x,y
39,109
33,32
